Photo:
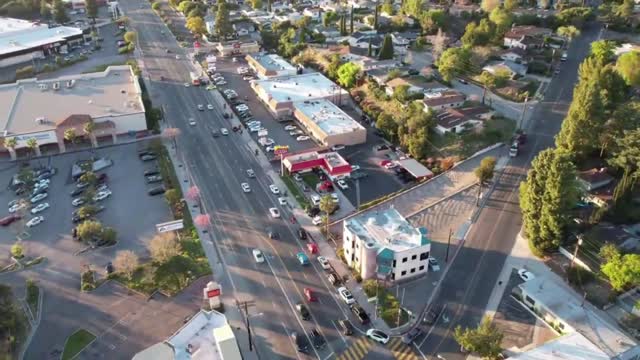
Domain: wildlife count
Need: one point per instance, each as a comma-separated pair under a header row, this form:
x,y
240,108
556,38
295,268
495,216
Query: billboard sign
x,y
280,149
170,226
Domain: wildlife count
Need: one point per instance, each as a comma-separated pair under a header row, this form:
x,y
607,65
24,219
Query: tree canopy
x,y
223,24
386,51
628,66
454,61
484,340
347,74
196,25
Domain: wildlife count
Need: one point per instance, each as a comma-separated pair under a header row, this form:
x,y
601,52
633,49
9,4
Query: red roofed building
x,y
331,162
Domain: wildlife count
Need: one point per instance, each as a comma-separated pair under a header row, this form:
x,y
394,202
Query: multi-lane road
x,y
468,285
218,166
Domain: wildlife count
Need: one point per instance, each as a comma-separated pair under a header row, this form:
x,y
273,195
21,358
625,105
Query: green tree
x,y
387,7
484,173
628,66
87,211
622,271
59,12
130,37
570,32
484,340
156,6
510,4
401,93
347,74
386,51
489,5
92,9
89,230
172,196
624,11
478,34
196,25
45,10
223,24
186,6
454,61
17,251
502,18
412,7
387,125
328,206
627,153
89,177
196,12
256,4
32,145
602,50
175,272
329,18
432,20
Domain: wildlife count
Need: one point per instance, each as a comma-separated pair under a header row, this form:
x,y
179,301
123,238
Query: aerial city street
x,y
322,180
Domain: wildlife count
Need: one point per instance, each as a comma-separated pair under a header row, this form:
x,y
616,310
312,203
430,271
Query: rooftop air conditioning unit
x,y
295,83
71,83
56,86
42,86
40,120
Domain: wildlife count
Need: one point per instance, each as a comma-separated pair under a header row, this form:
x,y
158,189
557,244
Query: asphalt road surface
x,y
218,167
467,287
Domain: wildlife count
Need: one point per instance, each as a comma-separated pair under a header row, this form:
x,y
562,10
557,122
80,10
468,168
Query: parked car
x,y
257,255
525,275
148,157
9,219
317,339
433,264
154,179
38,198
346,295
317,221
345,325
302,234
301,342
302,258
333,279
41,207
151,172
342,184
156,191
378,335
360,314
35,221
303,311
324,262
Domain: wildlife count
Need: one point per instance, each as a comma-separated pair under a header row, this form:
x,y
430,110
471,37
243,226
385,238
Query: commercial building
x,y
23,41
45,109
280,93
238,48
270,65
586,332
207,335
331,163
382,244
328,124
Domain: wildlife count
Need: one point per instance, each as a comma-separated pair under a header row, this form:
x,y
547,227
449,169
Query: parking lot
x,y
64,306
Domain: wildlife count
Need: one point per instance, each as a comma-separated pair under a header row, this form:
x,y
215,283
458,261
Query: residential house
x,y
594,179
458,120
363,39
440,101
315,13
434,87
625,237
515,54
331,34
244,28
460,9
391,86
367,63
625,48
514,69
210,24
381,75
526,37
404,39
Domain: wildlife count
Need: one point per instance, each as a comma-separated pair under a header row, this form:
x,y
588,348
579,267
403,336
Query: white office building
x,y
382,244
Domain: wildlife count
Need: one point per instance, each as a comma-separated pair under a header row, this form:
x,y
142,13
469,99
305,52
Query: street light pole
x,y
524,110
446,258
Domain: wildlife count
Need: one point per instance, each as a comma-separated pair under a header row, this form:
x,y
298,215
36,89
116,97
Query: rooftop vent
x,y
123,91
42,86
56,86
40,120
70,83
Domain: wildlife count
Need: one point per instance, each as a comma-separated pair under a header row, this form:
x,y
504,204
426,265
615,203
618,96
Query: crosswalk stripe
x,y
357,350
395,344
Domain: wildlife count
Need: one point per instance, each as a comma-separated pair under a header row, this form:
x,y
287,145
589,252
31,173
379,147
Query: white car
x,y
16,207
433,264
221,82
35,221
390,165
38,197
274,189
275,213
296,132
242,107
324,262
224,131
525,275
335,198
342,184
378,335
254,123
177,57
317,221
43,181
102,187
102,195
256,129
315,200
269,149
302,138
245,187
337,147
192,122
39,208
355,167
346,295
186,84
209,106
39,187
290,128
77,202
200,107
268,142
282,201
257,254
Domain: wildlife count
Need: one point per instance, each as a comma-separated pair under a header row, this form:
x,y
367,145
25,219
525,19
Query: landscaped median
x,y
388,306
76,343
33,296
295,191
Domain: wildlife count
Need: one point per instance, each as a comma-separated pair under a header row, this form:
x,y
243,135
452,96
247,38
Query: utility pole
x,y
524,110
484,93
358,194
575,254
244,306
446,257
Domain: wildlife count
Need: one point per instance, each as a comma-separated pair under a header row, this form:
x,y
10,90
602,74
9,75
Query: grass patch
x,y
311,180
295,191
76,342
101,68
390,310
33,294
498,129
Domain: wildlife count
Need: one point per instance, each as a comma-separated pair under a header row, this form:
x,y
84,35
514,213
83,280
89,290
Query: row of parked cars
x,y
32,195
152,175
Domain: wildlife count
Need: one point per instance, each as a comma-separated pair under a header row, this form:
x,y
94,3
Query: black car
x,y
301,342
272,234
142,153
313,211
151,172
413,334
432,315
333,279
360,314
77,191
156,191
304,312
317,339
302,234
347,328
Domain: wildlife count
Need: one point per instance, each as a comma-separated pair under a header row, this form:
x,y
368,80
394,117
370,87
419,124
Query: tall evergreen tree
x,y
269,5
351,21
343,25
223,25
375,17
59,12
386,51
45,11
370,49
92,9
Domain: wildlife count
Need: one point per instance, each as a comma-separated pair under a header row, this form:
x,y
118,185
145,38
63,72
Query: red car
x,y
7,220
312,247
310,295
385,162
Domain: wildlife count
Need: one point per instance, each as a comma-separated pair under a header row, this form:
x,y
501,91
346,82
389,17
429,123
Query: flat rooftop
x,y
593,324
302,87
387,228
328,116
17,35
332,158
273,62
568,347
110,93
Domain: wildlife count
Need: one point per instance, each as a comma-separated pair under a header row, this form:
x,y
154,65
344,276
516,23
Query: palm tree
x,y
11,144
32,145
89,128
70,135
327,206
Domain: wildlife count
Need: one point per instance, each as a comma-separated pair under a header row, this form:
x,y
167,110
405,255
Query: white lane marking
x,y
330,355
339,333
420,351
295,348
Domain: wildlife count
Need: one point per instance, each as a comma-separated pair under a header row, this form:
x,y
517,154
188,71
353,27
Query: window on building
x,y
529,300
414,257
393,276
413,270
403,273
353,245
404,260
421,268
424,256
394,263
353,256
